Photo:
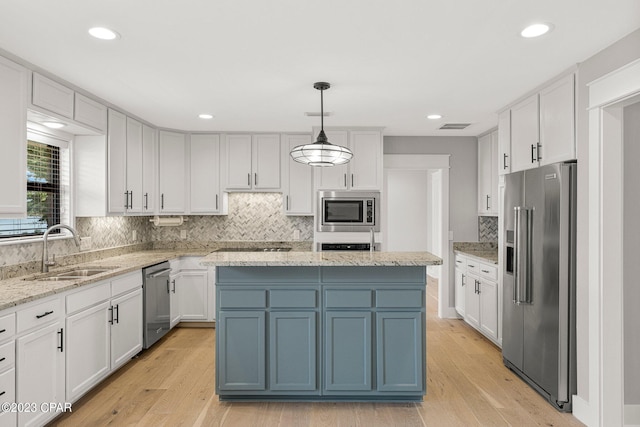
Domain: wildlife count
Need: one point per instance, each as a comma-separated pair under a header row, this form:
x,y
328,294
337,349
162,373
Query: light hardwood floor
x,y
172,384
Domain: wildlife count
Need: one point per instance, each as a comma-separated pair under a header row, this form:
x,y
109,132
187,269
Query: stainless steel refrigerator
x,y
538,338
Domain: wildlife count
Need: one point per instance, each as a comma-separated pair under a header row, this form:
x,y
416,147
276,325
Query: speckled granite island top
x,y
340,258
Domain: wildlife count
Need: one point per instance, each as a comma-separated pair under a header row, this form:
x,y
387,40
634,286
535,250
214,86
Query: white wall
x,y
463,176
631,290
606,61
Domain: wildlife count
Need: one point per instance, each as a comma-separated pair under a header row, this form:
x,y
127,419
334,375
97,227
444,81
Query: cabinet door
x,y
472,301
489,308
297,179
493,172
134,166
557,122
149,174
238,162
400,351
460,291
191,287
504,142
40,372
88,352
90,112
347,351
205,173
117,161
13,139
484,175
52,96
366,166
174,301
335,177
525,134
172,172
126,331
292,351
266,162
241,333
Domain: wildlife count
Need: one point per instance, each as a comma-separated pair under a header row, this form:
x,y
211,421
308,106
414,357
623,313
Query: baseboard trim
x,y
581,410
631,415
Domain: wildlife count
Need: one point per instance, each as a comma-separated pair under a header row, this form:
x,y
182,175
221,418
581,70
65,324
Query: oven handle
x,y
159,273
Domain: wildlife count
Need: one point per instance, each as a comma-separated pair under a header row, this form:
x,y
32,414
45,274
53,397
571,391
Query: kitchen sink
x,y
252,250
76,273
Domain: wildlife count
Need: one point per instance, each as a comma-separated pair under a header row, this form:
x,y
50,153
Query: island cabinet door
x,y
348,351
292,351
241,350
399,351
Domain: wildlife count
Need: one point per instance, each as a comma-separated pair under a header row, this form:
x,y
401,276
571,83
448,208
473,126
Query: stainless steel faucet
x,y
372,243
45,250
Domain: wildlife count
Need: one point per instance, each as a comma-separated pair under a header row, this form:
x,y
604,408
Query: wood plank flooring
x,y
172,384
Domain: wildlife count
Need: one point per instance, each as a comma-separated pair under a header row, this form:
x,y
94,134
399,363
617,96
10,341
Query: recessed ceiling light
x,y
535,30
54,125
205,116
103,33
434,116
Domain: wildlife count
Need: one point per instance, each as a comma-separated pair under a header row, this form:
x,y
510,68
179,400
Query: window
x,y
47,188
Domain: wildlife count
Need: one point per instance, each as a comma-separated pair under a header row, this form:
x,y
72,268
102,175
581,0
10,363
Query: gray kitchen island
x,y
320,325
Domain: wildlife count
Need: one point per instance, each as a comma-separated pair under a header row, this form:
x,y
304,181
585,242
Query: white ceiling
x,y
252,63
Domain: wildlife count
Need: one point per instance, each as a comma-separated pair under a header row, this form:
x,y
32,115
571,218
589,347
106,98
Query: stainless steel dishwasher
x,y
156,302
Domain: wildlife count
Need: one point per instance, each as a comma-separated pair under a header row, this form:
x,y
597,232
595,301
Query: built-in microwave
x,y
348,211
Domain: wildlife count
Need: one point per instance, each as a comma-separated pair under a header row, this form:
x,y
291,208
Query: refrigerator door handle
x,y
522,254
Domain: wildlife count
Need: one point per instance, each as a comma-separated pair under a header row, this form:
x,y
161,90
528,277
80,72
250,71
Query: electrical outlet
x,y
183,234
134,235
85,243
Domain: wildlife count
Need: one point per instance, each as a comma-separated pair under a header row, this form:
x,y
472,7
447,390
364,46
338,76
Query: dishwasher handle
x,y
159,273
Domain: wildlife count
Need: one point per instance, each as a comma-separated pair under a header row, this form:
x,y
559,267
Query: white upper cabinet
x,y
13,139
90,112
205,174
525,134
488,174
171,172
543,126
504,142
297,178
134,166
117,161
333,177
557,122
252,162
364,171
52,96
149,173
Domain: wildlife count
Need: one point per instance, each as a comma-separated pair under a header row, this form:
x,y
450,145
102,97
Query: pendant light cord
x,y
321,110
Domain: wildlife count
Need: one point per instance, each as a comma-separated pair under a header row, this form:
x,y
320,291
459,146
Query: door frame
x,y
430,162
607,95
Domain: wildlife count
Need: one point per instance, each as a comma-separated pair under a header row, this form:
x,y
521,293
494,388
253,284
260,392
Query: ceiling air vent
x,y
455,126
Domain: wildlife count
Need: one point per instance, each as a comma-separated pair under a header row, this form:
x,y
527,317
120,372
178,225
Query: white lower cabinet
x,y
476,287
127,328
174,301
192,291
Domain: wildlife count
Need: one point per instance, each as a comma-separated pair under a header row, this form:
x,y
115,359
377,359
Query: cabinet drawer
x,y
473,266
293,298
8,387
126,283
89,297
406,298
348,298
487,270
39,314
249,298
7,326
7,355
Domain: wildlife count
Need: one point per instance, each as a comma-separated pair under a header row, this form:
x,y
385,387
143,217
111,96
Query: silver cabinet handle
x,y
472,266
345,180
538,156
464,282
117,314
504,160
255,179
111,315
126,199
162,201
131,199
249,179
533,155
488,197
174,285
485,271
146,201
352,180
61,346
216,202
478,285
287,202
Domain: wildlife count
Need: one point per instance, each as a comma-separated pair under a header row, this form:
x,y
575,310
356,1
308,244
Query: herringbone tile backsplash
x,y
488,228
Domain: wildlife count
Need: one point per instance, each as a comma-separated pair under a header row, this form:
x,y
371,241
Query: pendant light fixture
x,y
321,152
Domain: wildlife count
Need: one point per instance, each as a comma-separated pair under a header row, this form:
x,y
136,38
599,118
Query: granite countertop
x,y
484,251
20,290
341,258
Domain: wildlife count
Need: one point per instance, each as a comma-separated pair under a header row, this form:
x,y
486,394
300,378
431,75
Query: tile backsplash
x,y
251,217
488,228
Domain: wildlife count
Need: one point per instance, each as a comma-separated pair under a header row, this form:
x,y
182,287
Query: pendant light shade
x,y
321,152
